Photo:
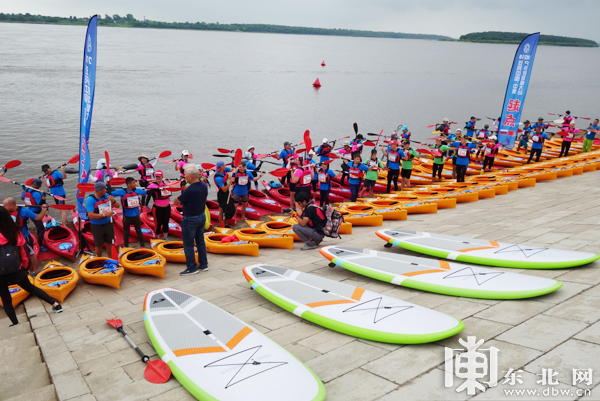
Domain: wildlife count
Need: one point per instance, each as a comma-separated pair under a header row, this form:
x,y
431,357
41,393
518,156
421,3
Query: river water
x,y
197,90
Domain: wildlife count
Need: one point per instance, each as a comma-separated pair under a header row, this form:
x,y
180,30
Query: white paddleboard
x,y
439,275
216,356
484,252
348,309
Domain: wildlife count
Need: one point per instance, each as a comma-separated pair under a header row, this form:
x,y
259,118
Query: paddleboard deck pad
x,y
484,252
216,356
439,276
348,309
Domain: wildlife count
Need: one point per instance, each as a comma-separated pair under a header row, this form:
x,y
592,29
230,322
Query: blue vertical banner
x,y
516,90
87,104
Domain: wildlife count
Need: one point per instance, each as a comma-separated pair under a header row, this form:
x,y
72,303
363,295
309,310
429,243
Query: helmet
x,y
185,153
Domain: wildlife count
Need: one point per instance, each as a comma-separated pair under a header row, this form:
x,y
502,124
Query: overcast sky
x,y
576,18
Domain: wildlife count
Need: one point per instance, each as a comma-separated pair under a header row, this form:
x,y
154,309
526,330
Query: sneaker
x,y
308,247
188,272
57,309
317,242
203,269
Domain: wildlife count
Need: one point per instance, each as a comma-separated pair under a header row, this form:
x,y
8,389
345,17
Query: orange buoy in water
x,y
317,83
323,63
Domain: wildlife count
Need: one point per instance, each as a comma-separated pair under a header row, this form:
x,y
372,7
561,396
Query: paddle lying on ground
x,y
32,188
279,172
12,164
156,371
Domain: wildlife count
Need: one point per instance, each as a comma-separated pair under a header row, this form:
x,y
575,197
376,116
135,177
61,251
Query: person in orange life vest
x,y
14,255
491,151
20,215
346,153
146,170
99,210
185,155
374,165
286,155
302,177
407,165
356,172
568,139
54,180
161,207
537,143
567,121
223,183
33,198
394,156
241,178
325,175
482,135
130,200
311,221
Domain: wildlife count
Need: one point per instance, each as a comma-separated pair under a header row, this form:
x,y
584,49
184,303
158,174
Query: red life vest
x,y
242,178
409,156
163,193
147,172
324,178
325,150
130,200
102,205
305,179
53,182
28,198
355,172
16,216
225,178
393,156
463,151
537,138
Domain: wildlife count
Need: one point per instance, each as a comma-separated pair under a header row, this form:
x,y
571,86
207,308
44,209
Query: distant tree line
x,y
130,21
515,37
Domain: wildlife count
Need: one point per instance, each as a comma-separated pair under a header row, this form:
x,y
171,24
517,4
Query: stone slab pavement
x,y
88,360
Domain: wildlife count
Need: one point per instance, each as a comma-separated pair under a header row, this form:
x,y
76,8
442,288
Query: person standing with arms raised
x,y
13,265
193,200
99,210
54,180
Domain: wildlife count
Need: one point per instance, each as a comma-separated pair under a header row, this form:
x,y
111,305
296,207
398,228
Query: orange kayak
x,y
92,271
484,193
450,192
390,210
17,294
275,227
56,280
345,228
261,237
214,245
142,261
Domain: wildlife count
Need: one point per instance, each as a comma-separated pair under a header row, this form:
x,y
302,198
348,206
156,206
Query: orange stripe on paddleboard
x,y
198,350
248,278
444,265
410,274
238,337
324,303
358,293
493,244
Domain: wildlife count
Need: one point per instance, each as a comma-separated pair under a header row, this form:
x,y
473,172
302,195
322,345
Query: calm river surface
x,y
199,90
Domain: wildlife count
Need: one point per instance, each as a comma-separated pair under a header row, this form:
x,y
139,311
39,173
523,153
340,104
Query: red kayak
x,y
146,230
147,218
213,210
254,212
281,195
262,200
36,246
176,212
337,189
62,241
85,226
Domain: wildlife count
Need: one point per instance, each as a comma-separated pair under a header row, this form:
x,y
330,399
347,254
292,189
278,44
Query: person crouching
x,y
311,221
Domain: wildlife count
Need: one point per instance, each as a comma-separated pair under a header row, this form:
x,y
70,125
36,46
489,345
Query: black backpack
x,y
10,261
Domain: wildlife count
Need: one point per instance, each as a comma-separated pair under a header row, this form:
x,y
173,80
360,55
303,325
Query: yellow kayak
x,y
142,261
214,245
261,237
345,228
92,271
57,280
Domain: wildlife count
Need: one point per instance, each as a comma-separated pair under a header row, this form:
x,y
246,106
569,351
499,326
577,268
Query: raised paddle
x,y
32,188
87,187
156,371
12,164
161,155
378,137
117,181
562,115
279,172
424,151
307,142
355,126
368,143
223,150
208,166
62,207
238,157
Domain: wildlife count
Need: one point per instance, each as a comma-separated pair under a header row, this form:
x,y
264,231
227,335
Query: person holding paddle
x,y
13,267
130,200
161,207
54,180
568,139
394,155
241,179
325,175
33,198
223,183
590,136
463,157
286,155
324,150
407,165
438,151
444,127
146,170
537,142
185,155
99,210
470,127
371,175
20,215
491,151
524,137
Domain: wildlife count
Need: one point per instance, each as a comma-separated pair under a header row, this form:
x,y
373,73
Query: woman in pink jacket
x,y
13,266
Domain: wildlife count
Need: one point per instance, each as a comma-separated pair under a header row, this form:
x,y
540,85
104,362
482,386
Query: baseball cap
x,y
346,143
99,186
158,173
286,143
185,153
325,140
404,127
220,164
393,143
250,147
446,120
36,181
458,130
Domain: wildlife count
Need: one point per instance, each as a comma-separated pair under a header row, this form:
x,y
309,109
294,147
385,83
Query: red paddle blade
x,y
157,372
261,156
368,143
431,126
238,157
86,187
562,133
165,153
191,156
333,156
280,172
169,161
63,207
223,150
208,166
117,181
5,179
74,159
115,322
60,198
424,151
328,162
107,160
300,150
12,164
29,182
307,140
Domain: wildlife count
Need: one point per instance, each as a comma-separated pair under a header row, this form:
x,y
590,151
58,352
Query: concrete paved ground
x,y
88,360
